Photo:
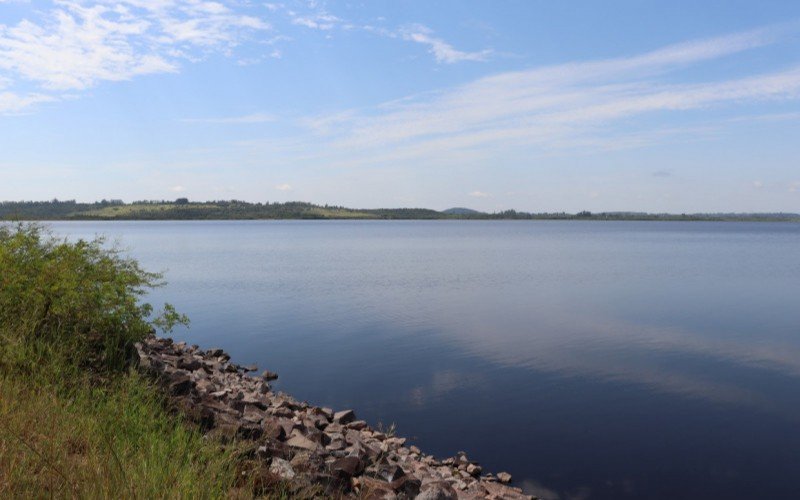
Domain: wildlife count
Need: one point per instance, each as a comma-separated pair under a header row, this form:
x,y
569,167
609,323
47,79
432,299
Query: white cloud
x,y
319,21
283,187
758,184
441,50
251,118
479,194
177,189
11,102
553,107
78,44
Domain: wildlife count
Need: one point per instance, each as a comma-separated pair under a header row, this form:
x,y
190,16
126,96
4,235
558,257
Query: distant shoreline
x,y
183,209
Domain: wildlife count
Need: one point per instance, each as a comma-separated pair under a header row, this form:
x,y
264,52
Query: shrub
x,y
77,302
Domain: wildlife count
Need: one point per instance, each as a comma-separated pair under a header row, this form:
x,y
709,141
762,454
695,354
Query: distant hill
x,y
460,211
184,209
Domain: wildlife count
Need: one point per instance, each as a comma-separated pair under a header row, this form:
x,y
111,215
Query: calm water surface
x,y
591,360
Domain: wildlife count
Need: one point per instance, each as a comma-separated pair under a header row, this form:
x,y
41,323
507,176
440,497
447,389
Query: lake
x,y
591,360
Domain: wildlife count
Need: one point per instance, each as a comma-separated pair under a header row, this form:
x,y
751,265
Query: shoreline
x,y
307,444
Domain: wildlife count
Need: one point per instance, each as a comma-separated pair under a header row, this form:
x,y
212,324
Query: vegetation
x,y
183,208
75,419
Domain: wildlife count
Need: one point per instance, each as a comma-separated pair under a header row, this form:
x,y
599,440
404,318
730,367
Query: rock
x,y
496,490
396,442
474,470
253,414
391,472
221,393
180,384
250,368
282,468
334,428
347,466
344,417
189,363
327,449
437,490
273,430
252,400
268,375
299,441
357,425
374,489
407,485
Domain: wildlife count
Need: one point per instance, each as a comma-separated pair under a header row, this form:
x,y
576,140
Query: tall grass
x,y
75,420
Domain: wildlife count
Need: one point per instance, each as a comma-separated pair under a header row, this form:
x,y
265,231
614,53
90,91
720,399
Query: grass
x,y
76,420
131,210
102,442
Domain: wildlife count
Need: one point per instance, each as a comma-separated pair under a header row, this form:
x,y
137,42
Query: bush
x,y
78,302
73,422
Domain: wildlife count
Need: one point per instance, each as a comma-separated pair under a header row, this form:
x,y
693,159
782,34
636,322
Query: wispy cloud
x,y
441,50
555,106
284,187
244,119
11,102
479,194
318,18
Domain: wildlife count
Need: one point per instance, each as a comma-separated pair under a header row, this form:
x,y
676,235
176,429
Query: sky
x,y
679,106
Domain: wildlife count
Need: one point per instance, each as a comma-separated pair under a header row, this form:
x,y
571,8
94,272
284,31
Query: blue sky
x,y
540,106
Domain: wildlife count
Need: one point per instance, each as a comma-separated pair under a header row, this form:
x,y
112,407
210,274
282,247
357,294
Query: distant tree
x,y
182,201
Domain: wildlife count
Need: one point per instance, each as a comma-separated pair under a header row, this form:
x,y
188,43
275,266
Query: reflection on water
x,y
590,360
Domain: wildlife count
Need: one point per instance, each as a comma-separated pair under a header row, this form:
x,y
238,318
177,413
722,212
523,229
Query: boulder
x,y
180,384
437,490
347,466
504,477
282,468
189,363
298,440
268,375
344,416
406,485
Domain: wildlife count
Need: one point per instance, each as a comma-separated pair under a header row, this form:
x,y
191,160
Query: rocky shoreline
x,y
306,444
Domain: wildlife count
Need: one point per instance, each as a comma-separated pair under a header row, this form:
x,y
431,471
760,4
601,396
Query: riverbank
x,y
307,445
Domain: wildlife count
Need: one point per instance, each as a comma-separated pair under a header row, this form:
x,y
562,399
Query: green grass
x,y
76,421
103,442
125,211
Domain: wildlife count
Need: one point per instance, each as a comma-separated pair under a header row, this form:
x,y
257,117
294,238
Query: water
x,y
589,359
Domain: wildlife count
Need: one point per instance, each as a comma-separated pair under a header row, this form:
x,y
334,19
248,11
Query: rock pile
x,y
300,442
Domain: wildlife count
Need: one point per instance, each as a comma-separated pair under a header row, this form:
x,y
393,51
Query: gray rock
x,y
504,477
268,375
282,468
189,363
437,490
344,417
180,384
299,441
347,466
